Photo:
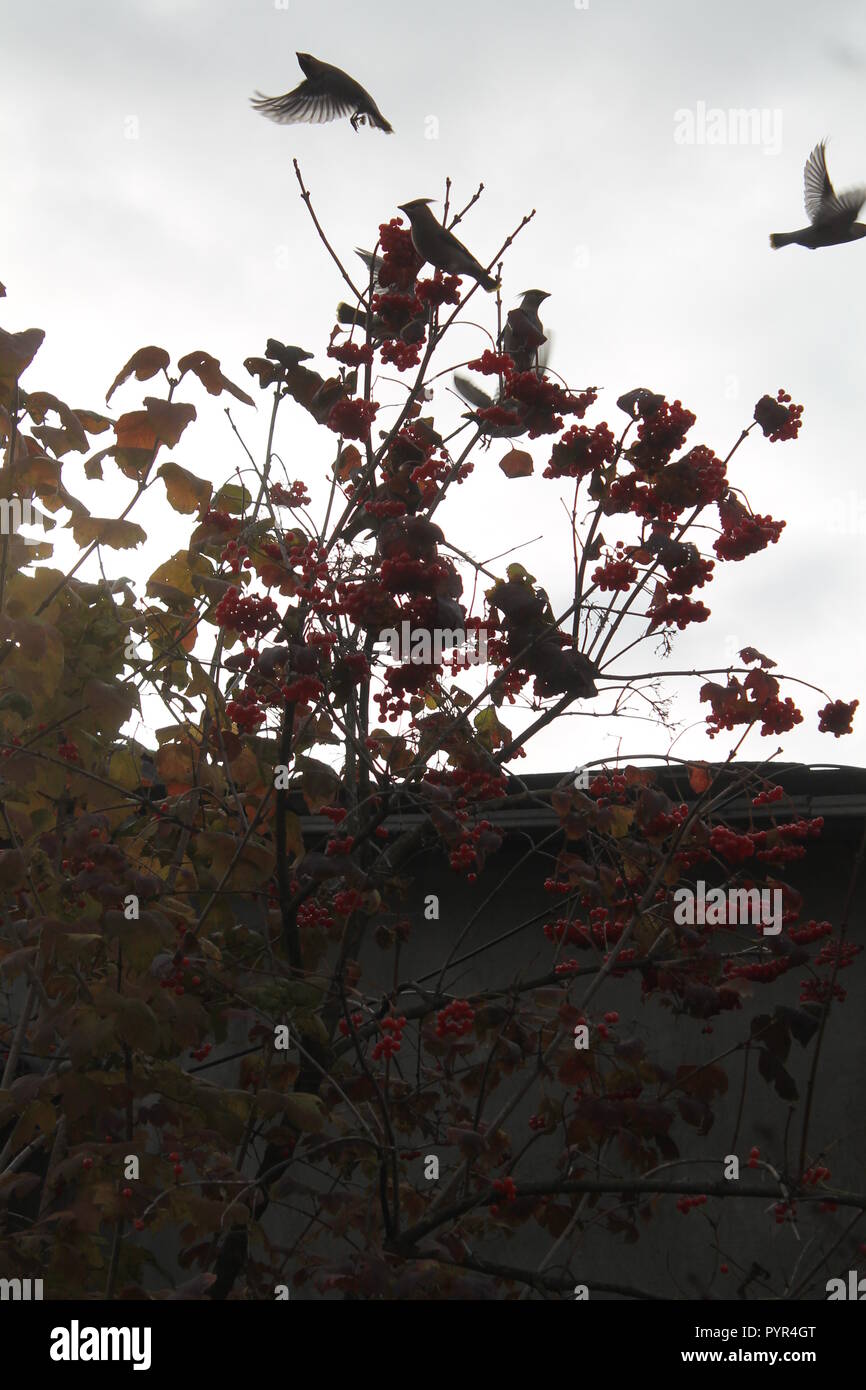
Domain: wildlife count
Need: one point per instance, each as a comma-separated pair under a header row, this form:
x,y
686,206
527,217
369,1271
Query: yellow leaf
x,y
184,490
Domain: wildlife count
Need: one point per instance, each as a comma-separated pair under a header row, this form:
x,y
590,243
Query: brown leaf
x,y
349,462
93,422
267,372
17,351
320,784
517,464
143,364
210,374
119,535
160,421
699,778
185,492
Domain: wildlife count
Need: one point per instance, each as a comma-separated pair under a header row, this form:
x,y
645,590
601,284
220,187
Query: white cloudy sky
x,y
192,235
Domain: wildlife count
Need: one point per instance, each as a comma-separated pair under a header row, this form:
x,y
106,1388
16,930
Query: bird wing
x,y
373,263
308,102
820,196
472,393
823,203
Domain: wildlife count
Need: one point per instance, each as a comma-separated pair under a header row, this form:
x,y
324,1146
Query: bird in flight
x,y
833,216
325,94
440,247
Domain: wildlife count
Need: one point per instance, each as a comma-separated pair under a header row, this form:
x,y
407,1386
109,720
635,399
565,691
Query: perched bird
x,y
833,215
523,333
440,247
326,94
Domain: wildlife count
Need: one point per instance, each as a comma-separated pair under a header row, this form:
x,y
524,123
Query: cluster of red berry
x,y
616,574
296,496
442,289
400,260
768,795
813,1176
302,690
606,789
665,822
343,846
246,615
245,710
313,914
352,418
731,846
347,902
455,1019
678,612
506,1189
666,429
836,717
812,931
694,574
819,991
685,1204
580,451
391,1043
491,363
352,354
779,418
763,973
747,535
403,356
236,557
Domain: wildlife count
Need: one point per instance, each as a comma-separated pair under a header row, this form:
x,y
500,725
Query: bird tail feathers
x,y
778,239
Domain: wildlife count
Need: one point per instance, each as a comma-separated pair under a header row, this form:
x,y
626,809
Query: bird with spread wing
x,y
833,216
326,94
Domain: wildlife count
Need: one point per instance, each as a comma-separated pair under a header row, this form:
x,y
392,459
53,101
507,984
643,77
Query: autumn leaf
x,y
319,783
141,432
517,464
143,364
93,422
211,376
112,704
700,777
17,351
117,534
267,372
184,490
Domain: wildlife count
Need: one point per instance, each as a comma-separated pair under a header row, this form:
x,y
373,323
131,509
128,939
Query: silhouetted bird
x,y
833,215
327,94
523,333
440,247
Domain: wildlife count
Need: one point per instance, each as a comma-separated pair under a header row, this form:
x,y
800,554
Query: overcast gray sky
x,y
146,202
